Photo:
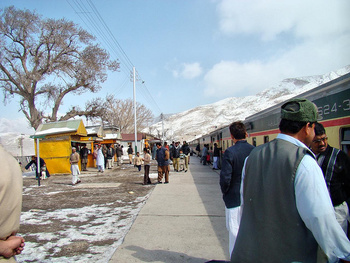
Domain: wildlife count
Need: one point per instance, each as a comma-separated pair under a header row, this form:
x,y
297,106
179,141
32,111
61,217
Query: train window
x,y
345,140
266,139
254,141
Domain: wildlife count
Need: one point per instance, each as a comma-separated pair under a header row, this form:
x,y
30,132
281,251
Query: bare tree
x,y
121,113
43,60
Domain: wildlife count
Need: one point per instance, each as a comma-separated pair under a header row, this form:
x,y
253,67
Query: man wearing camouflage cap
x,y
287,211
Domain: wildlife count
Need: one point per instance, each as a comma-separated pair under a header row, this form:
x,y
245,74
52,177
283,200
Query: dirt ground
x,y
81,223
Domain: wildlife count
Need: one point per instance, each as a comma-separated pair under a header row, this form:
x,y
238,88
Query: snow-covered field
x,y
90,233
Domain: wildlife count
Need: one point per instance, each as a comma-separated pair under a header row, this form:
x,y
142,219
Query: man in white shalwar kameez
x,y
100,159
74,161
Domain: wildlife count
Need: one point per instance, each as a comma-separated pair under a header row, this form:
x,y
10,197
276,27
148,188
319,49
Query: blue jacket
x,y
231,172
161,157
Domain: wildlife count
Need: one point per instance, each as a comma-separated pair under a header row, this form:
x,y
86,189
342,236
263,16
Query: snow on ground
x,y
90,223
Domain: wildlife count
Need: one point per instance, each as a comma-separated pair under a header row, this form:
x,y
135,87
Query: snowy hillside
x,y
203,119
192,123
16,144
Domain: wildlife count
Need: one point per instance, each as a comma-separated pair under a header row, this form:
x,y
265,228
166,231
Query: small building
x,y
56,140
129,139
94,135
111,134
143,140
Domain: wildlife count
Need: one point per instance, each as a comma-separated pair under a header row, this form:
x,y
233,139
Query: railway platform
x,y
183,221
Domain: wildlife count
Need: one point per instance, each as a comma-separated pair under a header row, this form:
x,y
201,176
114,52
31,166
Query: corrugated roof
x,y
112,136
52,128
97,129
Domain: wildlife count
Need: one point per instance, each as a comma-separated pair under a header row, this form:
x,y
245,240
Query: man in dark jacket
x,y
119,152
175,156
130,153
230,178
110,156
162,157
186,151
84,152
42,165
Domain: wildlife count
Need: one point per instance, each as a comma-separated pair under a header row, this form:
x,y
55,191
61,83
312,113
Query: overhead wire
x,y
89,20
107,38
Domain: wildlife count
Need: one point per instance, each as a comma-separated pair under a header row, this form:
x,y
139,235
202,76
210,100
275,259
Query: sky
x,y
194,52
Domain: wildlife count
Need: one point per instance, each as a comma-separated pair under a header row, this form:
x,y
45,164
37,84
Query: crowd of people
x,y
285,201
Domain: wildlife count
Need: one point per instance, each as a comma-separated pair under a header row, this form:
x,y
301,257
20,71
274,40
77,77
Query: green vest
x,y
271,228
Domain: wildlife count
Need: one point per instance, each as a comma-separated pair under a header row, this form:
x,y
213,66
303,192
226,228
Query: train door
x,y
345,140
219,140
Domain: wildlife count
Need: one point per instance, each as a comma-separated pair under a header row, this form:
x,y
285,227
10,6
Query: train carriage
x,y
333,103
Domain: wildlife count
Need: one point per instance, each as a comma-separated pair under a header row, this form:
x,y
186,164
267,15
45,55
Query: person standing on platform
x,y
130,153
154,151
119,152
147,165
216,156
138,161
100,160
104,151
175,157
335,166
286,208
74,166
110,156
204,154
186,151
84,152
11,184
162,158
198,149
230,178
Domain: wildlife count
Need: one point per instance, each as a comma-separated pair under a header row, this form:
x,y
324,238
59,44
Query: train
x,y
333,104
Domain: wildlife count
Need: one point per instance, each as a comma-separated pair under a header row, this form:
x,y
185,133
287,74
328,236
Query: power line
x,y
95,22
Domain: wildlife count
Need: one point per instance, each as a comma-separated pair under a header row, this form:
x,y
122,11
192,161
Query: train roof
x,y
330,87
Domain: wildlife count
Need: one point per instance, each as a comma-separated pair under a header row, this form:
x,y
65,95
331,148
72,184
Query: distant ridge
x,y
204,119
194,122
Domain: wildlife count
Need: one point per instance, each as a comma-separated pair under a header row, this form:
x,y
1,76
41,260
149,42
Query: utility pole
x,y
162,117
38,170
20,143
134,80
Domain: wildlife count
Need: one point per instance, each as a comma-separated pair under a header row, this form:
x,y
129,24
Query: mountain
x,y
17,143
193,123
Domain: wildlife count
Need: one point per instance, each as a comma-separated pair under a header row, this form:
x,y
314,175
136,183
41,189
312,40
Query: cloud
x,y
19,125
316,37
232,78
229,78
190,71
270,18
187,70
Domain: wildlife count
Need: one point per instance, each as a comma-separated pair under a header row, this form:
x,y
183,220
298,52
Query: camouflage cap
x,y
299,109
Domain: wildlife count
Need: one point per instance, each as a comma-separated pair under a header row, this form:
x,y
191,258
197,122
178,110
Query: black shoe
x,y
159,182
166,182
185,171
